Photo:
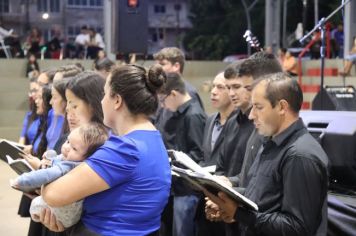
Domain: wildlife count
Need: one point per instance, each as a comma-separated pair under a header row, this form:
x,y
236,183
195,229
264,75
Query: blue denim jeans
x,y
184,209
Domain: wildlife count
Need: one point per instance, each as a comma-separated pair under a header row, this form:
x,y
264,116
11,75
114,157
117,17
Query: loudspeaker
x,y
335,98
132,26
336,132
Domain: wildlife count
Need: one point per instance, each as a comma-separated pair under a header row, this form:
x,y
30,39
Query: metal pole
x,y
177,8
27,22
277,26
322,57
284,33
316,11
108,6
248,19
305,4
321,26
268,23
349,26
64,21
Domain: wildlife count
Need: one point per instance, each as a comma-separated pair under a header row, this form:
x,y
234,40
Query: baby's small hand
x,y
45,163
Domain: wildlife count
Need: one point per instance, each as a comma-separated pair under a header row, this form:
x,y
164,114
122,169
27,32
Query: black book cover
x,y
8,148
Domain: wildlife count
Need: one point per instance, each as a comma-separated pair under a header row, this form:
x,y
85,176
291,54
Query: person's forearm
x,y
74,186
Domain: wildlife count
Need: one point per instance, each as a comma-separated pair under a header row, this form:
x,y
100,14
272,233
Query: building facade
x,y
167,19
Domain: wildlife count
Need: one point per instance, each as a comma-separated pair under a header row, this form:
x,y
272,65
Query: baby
x,y
81,143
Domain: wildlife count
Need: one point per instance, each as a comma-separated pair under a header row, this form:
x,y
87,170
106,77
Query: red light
x,y
132,3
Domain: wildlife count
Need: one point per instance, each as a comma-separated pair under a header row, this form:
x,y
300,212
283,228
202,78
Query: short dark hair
x,y
138,87
280,86
232,69
260,64
94,135
174,82
171,54
89,87
104,64
257,65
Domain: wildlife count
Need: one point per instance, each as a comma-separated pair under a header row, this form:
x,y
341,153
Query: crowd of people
x,y
86,44
89,44
112,127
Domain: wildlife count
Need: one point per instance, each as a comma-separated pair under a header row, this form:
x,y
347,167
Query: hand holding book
x,y
32,160
220,207
206,182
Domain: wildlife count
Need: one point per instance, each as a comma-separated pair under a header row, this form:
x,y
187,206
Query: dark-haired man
x,y
288,179
213,140
239,78
172,60
241,140
189,121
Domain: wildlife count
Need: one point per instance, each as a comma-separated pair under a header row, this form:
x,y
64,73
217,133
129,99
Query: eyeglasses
x,y
163,99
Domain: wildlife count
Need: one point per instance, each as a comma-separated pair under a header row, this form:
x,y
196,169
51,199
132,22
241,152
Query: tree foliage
x,y
218,25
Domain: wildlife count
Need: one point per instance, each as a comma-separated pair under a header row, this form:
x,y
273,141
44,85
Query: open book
x,y
10,148
20,166
202,179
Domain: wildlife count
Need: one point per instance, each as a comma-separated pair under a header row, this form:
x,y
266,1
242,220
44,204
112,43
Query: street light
x,y
45,16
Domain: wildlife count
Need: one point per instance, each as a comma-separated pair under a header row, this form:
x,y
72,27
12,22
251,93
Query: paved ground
x,y
11,224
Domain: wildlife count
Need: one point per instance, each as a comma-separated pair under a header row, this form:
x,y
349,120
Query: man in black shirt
x,y
172,60
189,121
238,129
288,179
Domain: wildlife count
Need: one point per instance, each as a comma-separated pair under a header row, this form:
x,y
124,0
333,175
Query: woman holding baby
x,y
125,184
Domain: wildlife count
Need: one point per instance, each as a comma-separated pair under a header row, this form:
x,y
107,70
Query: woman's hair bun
x,y
156,78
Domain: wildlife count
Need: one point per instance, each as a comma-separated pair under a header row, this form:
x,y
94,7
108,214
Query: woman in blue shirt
x,y
38,147
31,121
55,130
83,94
126,182
45,112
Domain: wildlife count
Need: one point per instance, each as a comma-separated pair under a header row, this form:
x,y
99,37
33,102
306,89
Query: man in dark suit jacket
x,y
213,132
212,142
